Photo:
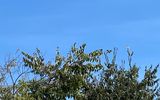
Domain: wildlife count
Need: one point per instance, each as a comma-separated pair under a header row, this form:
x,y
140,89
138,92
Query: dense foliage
x,y
80,75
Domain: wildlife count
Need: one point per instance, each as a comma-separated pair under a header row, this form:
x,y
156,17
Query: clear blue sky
x,y
46,24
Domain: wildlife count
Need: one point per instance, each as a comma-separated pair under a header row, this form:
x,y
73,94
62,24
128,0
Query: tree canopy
x,y
80,75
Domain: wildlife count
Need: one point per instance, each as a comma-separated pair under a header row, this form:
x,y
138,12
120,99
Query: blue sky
x,y
46,24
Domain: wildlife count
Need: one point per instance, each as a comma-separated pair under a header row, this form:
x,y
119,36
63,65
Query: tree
x,y
68,76
10,74
83,76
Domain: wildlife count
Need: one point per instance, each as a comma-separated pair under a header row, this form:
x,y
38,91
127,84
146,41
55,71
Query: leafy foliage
x,y
83,76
